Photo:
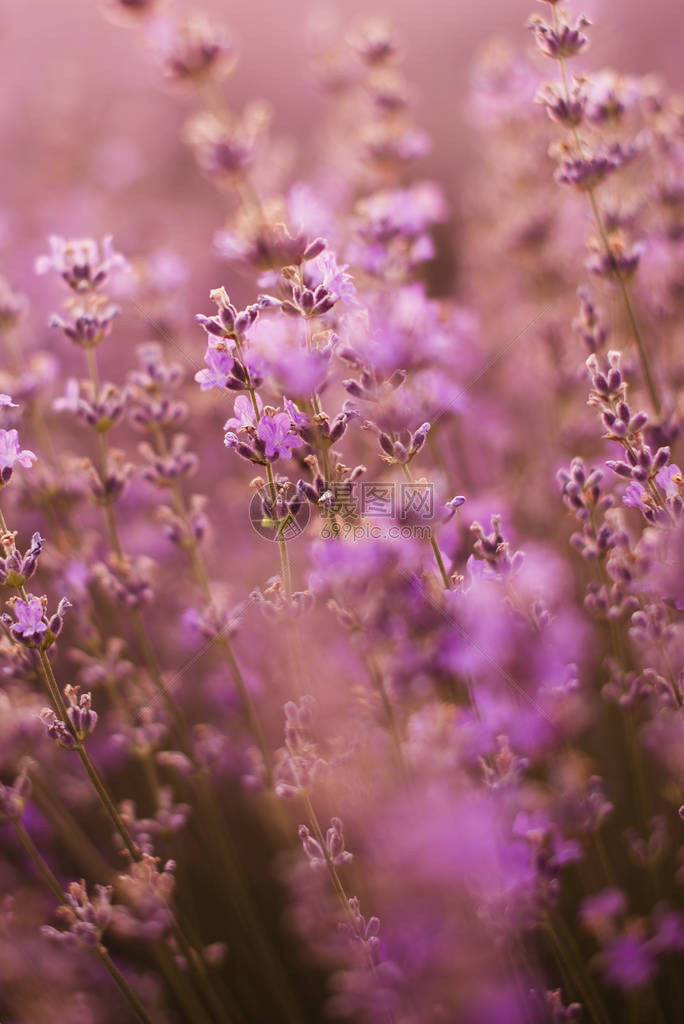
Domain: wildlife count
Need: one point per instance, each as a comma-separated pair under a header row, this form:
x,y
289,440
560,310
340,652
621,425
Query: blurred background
x,y
91,138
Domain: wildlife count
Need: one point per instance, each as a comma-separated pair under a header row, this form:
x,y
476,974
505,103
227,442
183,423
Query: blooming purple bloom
x,y
669,479
79,261
243,413
634,496
324,270
217,371
11,454
30,618
300,419
276,433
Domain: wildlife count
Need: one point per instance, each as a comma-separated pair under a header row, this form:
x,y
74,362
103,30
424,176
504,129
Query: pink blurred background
x,y
89,133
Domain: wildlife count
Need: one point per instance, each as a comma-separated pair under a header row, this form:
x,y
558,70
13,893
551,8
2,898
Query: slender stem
x,y
58,892
123,985
194,550
433,543
39,863
197,969
282,543
622,283
391,718
91,771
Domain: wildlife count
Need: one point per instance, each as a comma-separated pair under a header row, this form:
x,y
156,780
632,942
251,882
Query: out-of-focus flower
x,y
81,263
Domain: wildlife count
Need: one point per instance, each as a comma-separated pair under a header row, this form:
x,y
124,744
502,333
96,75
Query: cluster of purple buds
x,y
362,930
560,108
642,466
586,172
225,149
559,42
85,919
588,324
609,96
152,389
503,768
15,568
494,550
581,490
322,432
228,322
548,850
609,602
368,387
620,260
298,764
374,42
193,49
81,716
275,604
217,619
87,327
13,798
312,287
186,530
79,262
284,509
118,472
127,581
169,819
102,414
331,852
144,733
32,626
57,730
176,464
273,437
147,890
401,449
319,491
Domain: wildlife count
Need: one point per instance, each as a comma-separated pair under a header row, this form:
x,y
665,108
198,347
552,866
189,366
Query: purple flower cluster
x,y
354,716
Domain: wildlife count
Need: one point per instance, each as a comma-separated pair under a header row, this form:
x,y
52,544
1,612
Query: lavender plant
x,y
314,705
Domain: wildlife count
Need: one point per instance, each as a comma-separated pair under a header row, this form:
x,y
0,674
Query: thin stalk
x,y
391,719
282,543
433,543
622,283
91,771
198,971
566,955
58,892
202,579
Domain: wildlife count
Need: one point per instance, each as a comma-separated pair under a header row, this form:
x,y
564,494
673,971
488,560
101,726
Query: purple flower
x,y
219,365
243,413
634,496
300,419
324,270
668,479
6,401
29,615
11,454
79,262
276,433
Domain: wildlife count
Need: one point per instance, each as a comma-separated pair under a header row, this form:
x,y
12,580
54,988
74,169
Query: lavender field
x,y
341,515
